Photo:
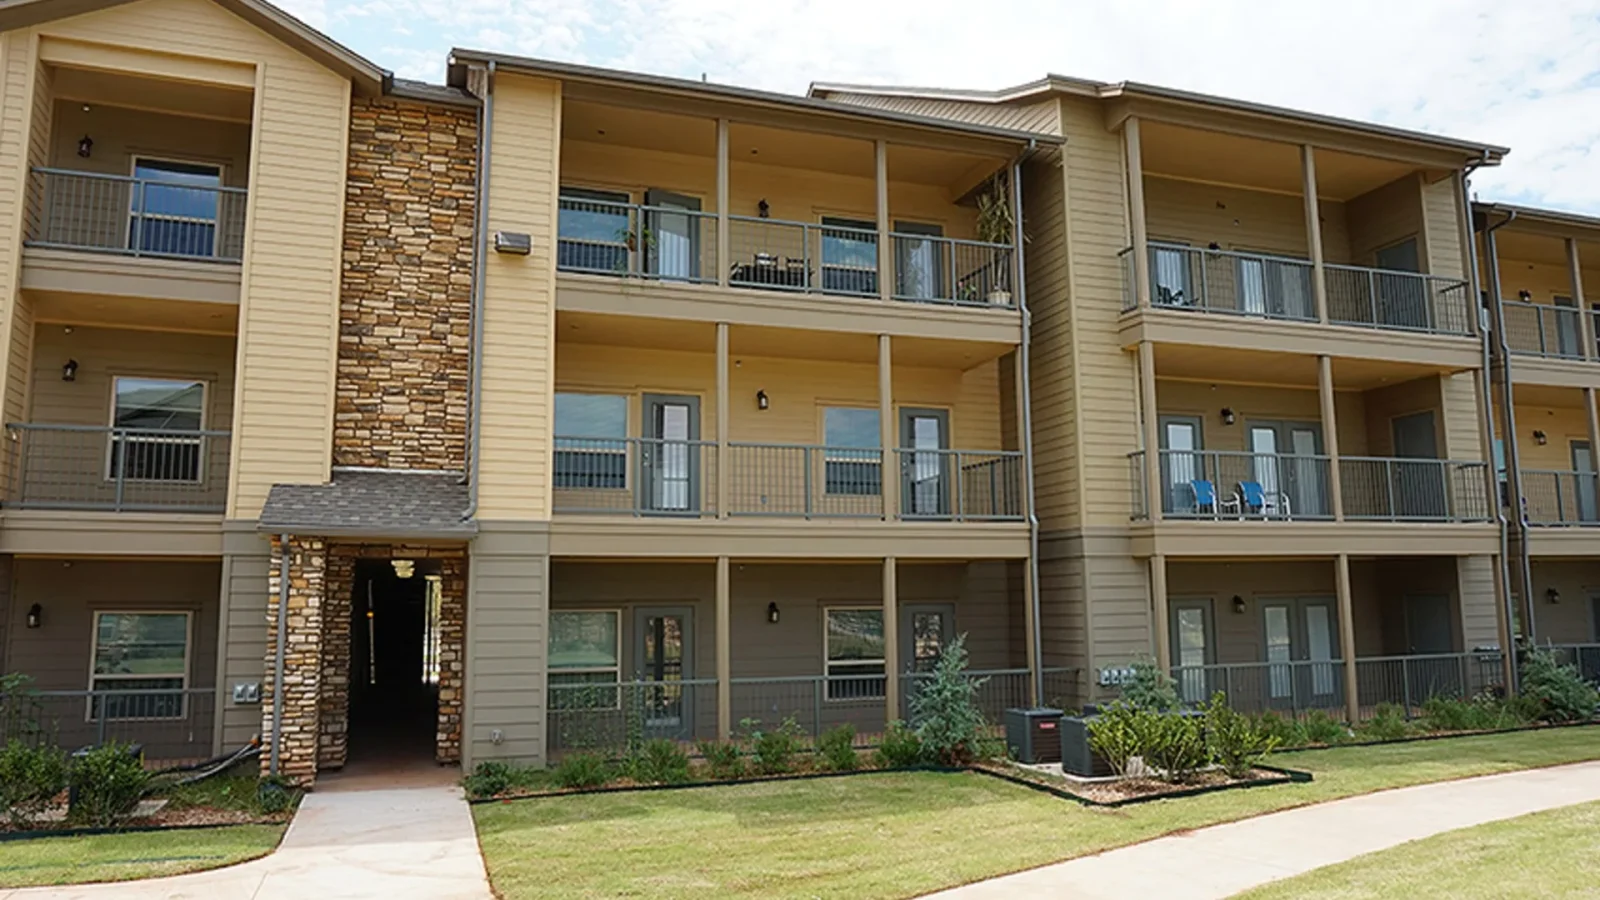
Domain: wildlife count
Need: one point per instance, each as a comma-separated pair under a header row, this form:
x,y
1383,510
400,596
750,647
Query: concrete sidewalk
x,y
1222,860
396,844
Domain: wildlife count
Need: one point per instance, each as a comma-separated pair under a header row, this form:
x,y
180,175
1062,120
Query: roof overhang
x,y
1552,222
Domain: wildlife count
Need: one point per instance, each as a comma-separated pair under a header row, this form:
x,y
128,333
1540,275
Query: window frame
x,y
198,441
94,652
551,670
134,160
846,454
623,450
587,193
828,663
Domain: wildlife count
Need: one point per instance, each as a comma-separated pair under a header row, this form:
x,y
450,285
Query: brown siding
x,y
1571,620
245,635
1238,219
1384,216
1052,367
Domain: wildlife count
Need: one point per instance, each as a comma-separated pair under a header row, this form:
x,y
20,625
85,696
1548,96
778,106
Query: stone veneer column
x,y
302,669
452,657
333,736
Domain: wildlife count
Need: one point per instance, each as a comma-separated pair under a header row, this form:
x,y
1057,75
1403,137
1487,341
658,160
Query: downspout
x,y
1512,457
480,253
1025,403
277,662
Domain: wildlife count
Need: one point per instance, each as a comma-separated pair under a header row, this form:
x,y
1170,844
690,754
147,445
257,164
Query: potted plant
x,y
996,225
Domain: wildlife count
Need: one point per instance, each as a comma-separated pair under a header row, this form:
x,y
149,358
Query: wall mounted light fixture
x,y
1553,595
1540,438
1525,296
85,146
764,209
1238,604
1227,416
761,400
35,616
69,370
772,613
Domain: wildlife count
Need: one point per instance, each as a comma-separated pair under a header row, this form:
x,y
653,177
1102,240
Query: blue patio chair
x,y
1257,500
1205,498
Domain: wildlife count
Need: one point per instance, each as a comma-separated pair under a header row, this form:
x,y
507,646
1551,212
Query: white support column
x,y
1319,275
724,250
1136,211
889,474
891,642
724,651
1160,617
722,463
885,245
1585,317
1347,637
1330,434
1150,422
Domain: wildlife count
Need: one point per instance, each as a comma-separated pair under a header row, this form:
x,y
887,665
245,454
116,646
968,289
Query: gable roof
x,y
369,77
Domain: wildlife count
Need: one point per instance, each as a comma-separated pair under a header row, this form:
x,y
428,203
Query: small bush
x,y
488,779
1236,741
1175,746
1288,732
837,749
723,760
1388,723
107,783
660,762
1484,712
1320,728
900,748
773,751
276,794
582,770
1119,734
1150,688
1560,692
31,777
945,709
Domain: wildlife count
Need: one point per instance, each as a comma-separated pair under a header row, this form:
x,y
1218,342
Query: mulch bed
x,y
1128,791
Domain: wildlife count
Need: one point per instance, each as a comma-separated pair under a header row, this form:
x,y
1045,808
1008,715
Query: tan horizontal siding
x,y
1119,589
1039,116
1189,212
245,639
1480,615
1567,622
1382,217
506,652
18,72
1053,377
1441,211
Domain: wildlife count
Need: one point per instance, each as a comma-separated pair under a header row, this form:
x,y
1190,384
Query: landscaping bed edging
x,y
8,836
1438,736
1285,776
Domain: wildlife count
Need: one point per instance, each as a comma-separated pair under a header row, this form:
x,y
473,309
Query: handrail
x,y
135,216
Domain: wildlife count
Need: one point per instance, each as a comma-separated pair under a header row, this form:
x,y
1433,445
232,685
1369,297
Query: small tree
x,y
945,709
1150,688
1560,692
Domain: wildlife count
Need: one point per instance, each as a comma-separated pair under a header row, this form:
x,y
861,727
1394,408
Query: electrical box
x,y
1034,735
247,692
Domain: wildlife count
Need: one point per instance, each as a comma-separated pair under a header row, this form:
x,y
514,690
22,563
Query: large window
x,y
585,659
175,207
853,454
594,230
156,426
589,448
144,657
849,256
855,654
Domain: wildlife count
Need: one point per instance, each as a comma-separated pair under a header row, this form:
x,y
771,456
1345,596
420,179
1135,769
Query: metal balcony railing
x,y
945,270
1292,687
1398,301
1414,490
638,476
116,469
135,216
656,242
170,724
1540,329
1560,498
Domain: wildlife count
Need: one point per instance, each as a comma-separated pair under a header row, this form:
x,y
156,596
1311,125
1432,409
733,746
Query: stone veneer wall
x,y
451,565
405,303
302,670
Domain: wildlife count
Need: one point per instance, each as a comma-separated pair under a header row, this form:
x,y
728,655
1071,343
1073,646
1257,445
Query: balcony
x,y
679,478
167,214
81,467
1548,331
1559,498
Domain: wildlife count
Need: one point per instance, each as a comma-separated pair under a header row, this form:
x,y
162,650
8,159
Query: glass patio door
x,y
1192,648
669,459
672,239
1418,477
1301,631
664,651
1286,463
1583,465
919,265
925,462
1182,465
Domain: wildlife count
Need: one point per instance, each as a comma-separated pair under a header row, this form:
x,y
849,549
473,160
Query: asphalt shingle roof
x,y
380,504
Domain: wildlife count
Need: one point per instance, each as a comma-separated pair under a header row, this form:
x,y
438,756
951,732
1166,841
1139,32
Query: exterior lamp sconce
x,y
772,613
85,146
1525,296
1238,604
763,209
761,400
1540,438
1227,415
35,616
1553,595
69,370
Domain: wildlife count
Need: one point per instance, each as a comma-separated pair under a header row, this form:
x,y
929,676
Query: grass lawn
x,y
1547,854
121,857
902,834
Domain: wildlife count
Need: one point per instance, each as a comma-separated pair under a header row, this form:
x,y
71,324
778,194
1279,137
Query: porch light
x,y
1553,595
403,568
1525,296
761,400
35,616
1227,416
1238,604
772,613
69,370
1540,438
85,146
763,209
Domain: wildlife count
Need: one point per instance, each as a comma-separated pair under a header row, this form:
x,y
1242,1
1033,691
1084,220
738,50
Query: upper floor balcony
x,y
1544,319
763,215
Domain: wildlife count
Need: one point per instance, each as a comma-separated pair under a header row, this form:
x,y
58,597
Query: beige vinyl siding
x,y
1240,637
519,313
1118,589
1037,116
1388,403
1480,615
18,73
120,134
1198,214
6,563
1561,426
1460,402
1545,281
245,576
1570,621
506,651
103,354
1051,360
1253,404
1441,224
289,307
1063,611
19,361
1385,216
43,117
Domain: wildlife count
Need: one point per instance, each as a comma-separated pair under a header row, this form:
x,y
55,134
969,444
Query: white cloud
x,y
1521,75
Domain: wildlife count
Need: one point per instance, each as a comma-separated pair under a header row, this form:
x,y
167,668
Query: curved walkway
x,y
394,844
1222,860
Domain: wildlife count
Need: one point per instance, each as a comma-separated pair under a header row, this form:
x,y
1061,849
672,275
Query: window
x,y
593,230
585,659
853,458
855,655
174,207
137,652
590,448
156,425
849,256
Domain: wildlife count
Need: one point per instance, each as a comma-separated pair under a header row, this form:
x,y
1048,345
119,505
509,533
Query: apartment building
x,y
1535,263
1259,395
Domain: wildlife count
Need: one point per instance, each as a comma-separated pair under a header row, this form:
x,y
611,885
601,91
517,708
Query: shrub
x,y
772,751
582,770
945,709
1288,732
1560,692
1320,728
724,760
1175,746
1150,688
1119,734
276,794
660,762
1388,723
1236,741
900,748
1484,712
107,783
837,748
31,777
488,779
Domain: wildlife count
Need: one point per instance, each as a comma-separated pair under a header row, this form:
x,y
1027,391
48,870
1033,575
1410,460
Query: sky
x,y
1520,74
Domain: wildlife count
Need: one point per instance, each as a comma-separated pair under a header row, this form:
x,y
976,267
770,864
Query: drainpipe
x,y
283,640
1025,403
1511,455
480,253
